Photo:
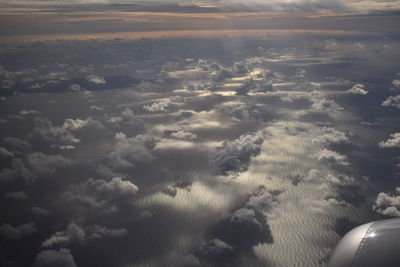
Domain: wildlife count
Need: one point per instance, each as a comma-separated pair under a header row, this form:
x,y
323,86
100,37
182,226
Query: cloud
x,y
329,156
75,234
55,134
157,107
315,176
55,258
235,155
116,188
245,216
4,153
331,136
216,250
100,232
16,195
388,204
36,211
256,86
392,101
324,104
396,84
16,145
358,89
95,79
200,85
394,141
18,232
262,201
76,125
46,165
182,135
128,151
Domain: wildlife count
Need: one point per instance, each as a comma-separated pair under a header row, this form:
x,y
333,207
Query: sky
x,y
195,133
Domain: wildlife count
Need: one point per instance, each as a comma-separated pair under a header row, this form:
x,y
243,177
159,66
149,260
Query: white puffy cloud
x,y
326,155
55,258
157,107
394,141
392,101
358,89
331,136
96,79
235,155
388,204
8,231
318,177
16,195
183,135
128,151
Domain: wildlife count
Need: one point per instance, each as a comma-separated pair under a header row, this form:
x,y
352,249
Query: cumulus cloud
x,y
331,136
256,86
329,156
75,125
324,104
392,101
318,177
100,232
388,204
235,155
263,201
55,134
183,135
128,151
16,195
216,250
16,145
245,216
396,84
11,232
200,85
36,211
77,235
116,188
4,153
73,234
127,117
46,165
52,258
157,107
394,141
96,79
358,89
